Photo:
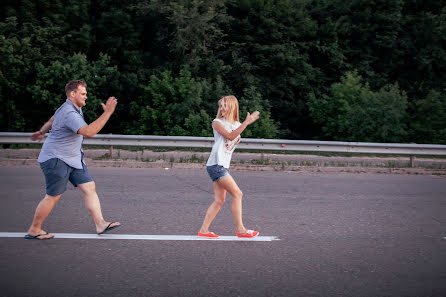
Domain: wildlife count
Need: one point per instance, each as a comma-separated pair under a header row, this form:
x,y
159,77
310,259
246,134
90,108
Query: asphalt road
x,y
340,235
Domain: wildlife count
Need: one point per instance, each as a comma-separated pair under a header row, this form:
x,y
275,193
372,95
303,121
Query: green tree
x,y
353,112
386,41
48,90
428,119
422,44
170,106
265,126
268,50
329,110
190,30
13,72
288,51
21,48
378,116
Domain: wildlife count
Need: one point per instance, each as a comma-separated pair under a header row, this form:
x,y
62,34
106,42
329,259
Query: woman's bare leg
x,y
214,208
229,184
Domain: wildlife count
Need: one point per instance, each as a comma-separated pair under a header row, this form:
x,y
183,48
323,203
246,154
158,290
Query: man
x,y
61,158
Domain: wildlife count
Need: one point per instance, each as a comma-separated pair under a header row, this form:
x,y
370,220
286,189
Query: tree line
x,y
355,70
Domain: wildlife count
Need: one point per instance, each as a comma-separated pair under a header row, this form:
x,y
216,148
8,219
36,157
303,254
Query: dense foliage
x,y
354,70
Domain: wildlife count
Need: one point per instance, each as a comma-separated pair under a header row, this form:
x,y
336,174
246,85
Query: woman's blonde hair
x,y
231,107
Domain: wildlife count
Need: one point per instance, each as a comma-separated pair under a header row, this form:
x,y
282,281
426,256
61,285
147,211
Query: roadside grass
x,y
197,158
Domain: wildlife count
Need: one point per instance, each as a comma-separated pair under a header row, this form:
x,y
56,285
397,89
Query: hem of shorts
x,y
217,165
81,183
221,178
56,194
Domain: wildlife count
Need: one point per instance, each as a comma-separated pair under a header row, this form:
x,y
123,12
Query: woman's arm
x,y
250,118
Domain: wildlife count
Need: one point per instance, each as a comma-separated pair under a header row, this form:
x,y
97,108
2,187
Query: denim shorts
x,y
216,172
58,173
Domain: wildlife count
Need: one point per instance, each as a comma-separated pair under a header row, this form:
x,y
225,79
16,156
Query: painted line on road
x,y
143,237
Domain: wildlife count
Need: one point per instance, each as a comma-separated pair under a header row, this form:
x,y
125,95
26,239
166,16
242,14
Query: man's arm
x,y
39,135
96,126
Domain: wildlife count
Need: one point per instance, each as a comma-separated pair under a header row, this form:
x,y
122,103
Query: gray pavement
x,y
340,235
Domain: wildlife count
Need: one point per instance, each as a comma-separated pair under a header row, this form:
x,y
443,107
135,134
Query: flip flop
x,y
27,236
209,235
109,228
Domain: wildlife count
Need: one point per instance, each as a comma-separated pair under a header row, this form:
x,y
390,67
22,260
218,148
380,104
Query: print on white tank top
x,y
223,148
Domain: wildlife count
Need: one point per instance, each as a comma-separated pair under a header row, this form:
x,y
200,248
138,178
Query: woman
x,y
227,130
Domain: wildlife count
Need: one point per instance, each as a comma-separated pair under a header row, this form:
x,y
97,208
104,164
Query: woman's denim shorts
x,y
216,172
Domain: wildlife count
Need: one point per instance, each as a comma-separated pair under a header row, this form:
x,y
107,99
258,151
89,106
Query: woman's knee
x,y
237,194
219,201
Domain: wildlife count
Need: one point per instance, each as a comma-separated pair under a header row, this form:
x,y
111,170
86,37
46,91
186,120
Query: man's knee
x,y
89,187
53,199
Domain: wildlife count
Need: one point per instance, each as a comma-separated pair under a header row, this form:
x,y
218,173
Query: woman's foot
x,y
208,234
247,233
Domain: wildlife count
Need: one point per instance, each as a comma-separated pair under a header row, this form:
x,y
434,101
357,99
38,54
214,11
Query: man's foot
x,y
247,234
41,236
109,227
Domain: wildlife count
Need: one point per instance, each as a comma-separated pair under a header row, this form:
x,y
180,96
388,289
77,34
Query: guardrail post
x,y
111,151
412,161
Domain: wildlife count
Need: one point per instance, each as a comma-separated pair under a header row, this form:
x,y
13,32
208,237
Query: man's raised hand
x,y
110,105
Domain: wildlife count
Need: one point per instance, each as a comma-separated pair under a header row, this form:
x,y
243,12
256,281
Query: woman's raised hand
x,y
251,118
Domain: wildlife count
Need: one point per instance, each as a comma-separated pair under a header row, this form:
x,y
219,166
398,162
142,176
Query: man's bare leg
x,y
44,208
94,206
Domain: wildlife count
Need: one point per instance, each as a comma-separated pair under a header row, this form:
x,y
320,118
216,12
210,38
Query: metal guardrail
x,y
246,143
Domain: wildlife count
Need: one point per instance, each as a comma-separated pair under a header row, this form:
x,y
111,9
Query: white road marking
x,y
144,237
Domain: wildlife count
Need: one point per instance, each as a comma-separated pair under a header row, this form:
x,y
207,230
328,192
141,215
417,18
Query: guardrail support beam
x,y
261,145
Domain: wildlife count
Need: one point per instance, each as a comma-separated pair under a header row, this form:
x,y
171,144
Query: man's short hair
x,y
72,86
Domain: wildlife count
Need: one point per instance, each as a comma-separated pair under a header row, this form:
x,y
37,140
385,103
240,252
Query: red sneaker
x,y
249,233
209,235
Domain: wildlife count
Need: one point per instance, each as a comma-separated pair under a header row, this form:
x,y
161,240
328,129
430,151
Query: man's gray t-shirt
x,y
63,142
